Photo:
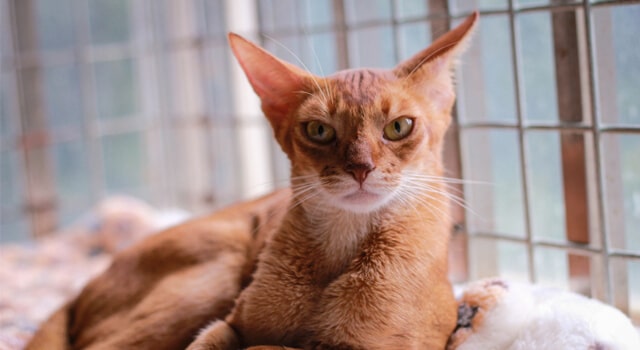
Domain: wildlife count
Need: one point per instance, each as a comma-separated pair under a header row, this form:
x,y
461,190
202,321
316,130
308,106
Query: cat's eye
x,y
398,129
320,132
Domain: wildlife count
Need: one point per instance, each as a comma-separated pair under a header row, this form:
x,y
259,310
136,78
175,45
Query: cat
x,y
360,259
353,256
159,293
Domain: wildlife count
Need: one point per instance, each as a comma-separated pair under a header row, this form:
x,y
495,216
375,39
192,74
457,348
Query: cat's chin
x,y
362,201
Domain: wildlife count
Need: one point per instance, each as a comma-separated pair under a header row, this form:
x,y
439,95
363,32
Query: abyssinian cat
x,y
360,259
355,254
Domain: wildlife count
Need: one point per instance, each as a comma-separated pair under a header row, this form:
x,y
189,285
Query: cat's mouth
x,y
363,201
362,195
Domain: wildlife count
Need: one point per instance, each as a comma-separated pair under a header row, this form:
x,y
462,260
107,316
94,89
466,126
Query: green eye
x,y
398,129
320,132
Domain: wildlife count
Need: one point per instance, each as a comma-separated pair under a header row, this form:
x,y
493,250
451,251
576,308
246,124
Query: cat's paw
x,y
217,336
317,345
270,347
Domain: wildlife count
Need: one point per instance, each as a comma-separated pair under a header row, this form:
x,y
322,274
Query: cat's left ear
x,y
280,85
434,64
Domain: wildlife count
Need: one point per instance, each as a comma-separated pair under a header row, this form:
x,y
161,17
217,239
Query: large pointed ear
x,y
278,84
445,49
433,66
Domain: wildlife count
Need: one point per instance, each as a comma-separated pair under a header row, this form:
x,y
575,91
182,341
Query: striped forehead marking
x,y
359,86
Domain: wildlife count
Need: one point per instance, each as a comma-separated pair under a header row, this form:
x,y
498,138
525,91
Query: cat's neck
x,y
338,234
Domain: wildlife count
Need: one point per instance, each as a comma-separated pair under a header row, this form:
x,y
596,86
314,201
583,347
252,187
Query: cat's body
x,y
358,259
382,291
160,292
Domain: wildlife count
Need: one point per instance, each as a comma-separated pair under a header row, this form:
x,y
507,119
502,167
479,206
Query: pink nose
x,y
360,171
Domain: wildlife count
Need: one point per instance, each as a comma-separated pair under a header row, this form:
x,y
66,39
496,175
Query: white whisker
x,y
303,92
428,187
281,182
313,50
302,177
447,179
402,196
297,58
304,197
433,208
317,59
422,61
309,188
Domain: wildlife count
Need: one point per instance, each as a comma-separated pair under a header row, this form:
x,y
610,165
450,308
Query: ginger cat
x,y
360,259
354,256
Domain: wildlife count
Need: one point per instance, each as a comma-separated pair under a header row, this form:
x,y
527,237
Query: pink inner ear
x,y
268,75
274,84
277,83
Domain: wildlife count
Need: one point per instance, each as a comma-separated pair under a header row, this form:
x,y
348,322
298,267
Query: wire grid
x,y
598,248
608,287
342,29
605,252
187,142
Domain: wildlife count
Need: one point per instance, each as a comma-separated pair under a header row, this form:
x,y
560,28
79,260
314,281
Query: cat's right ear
x,y
430,70
279,85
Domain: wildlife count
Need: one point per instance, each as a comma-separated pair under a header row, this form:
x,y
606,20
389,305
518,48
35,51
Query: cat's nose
x,y
360,171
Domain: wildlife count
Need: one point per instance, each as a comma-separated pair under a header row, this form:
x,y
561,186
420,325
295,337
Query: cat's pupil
x,y
397,126
320,130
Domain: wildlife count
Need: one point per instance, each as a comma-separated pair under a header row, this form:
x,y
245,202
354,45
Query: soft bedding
x,y
36,278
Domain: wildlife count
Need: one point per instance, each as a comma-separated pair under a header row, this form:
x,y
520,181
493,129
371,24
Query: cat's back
x,y
161,291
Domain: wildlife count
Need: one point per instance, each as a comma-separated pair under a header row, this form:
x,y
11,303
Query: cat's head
x,y
359,138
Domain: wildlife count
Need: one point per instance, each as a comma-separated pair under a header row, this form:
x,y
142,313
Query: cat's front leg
x,y
385,300
217,336
271,347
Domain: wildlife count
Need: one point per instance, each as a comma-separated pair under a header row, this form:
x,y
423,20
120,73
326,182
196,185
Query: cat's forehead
x,y
360,86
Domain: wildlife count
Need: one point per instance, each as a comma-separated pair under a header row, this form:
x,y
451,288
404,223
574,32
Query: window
x,y
114,96
545,118
142,97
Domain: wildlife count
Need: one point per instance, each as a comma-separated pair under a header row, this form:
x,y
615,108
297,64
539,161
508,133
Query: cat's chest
x,y
317,257
304,265
337,242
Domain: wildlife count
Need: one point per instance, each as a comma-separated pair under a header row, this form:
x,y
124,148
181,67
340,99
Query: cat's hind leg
x,y
220,336
217,336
